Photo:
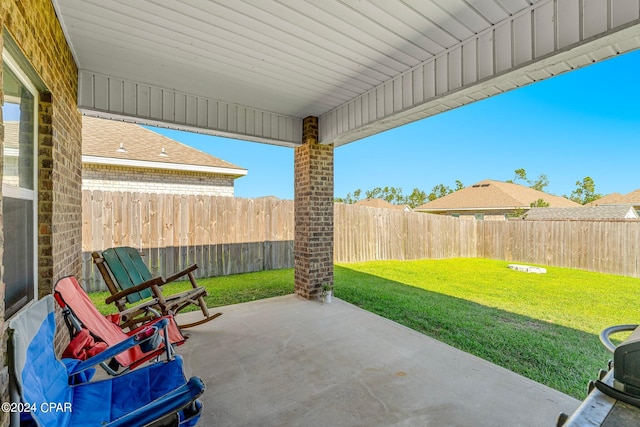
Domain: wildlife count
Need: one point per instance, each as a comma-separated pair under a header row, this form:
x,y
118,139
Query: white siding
x,y
116,178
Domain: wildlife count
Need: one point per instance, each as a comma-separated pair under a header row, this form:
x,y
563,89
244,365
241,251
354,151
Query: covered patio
x,y
307,75
287,362
317,75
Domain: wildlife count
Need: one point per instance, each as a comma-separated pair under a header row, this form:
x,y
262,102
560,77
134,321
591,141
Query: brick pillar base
x,y
313,245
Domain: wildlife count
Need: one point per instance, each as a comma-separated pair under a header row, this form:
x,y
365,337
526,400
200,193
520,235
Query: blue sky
x,y
578,124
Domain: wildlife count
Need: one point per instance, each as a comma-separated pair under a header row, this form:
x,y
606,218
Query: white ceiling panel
x,y
322,53
283,60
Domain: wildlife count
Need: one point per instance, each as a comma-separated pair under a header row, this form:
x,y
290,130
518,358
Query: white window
x,y
19,182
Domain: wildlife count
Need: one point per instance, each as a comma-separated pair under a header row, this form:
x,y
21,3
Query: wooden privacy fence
x,y
226,235
365,233
602,246
223,235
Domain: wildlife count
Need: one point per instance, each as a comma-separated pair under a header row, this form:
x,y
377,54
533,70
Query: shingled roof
x,y
380,203
632,198
493,195
609,199
121,143
582,212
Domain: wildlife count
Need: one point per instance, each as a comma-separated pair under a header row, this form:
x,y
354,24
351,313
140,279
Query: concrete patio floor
x,y
287,361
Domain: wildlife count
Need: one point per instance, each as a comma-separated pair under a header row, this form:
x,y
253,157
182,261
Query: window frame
x,y
11,191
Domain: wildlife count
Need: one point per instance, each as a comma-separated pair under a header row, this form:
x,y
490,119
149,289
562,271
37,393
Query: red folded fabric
x,y
83,346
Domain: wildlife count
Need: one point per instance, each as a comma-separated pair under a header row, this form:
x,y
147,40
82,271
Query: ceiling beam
x,y
115,98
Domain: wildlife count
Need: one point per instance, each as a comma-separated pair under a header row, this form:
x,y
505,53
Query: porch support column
x,y
313,245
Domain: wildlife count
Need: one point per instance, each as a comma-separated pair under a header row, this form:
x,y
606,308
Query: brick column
x,y
45,195
313,245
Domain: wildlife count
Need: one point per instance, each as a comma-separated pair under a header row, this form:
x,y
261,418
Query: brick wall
x,y
33,26
118,178
313,246
4,373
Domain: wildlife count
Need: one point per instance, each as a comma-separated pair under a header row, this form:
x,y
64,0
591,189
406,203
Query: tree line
x,y
584,192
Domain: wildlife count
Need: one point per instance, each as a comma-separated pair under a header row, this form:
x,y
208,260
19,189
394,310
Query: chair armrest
x,y
141,328
140,307
114,350
168,404
156,281
181,273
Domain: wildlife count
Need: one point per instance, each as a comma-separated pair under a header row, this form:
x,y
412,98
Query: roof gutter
x,y
110,161
496,208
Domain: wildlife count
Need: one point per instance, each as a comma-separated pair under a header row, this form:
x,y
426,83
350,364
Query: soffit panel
x,y
252,69
289,57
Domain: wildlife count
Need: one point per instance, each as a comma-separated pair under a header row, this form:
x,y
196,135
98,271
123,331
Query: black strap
x,y
67,313
617,394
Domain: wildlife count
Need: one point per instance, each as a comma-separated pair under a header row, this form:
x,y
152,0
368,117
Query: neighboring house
x,y
582,213
632,198
491,200
379,203
120,156
14,142
609,199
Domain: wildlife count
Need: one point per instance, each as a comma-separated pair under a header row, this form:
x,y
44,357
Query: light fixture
x,y
121,149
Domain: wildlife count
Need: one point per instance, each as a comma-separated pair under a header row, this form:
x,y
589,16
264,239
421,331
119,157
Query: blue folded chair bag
x,y
136,398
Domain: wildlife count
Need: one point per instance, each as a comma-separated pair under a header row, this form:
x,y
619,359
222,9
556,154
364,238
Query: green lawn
x,y
543,326
225,290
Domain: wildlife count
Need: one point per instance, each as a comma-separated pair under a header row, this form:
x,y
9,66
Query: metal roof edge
x,y
111,161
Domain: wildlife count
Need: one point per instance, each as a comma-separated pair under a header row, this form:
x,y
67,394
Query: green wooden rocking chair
x,y
130,281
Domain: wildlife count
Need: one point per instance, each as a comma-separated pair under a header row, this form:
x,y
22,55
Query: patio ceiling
x,y
252,69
